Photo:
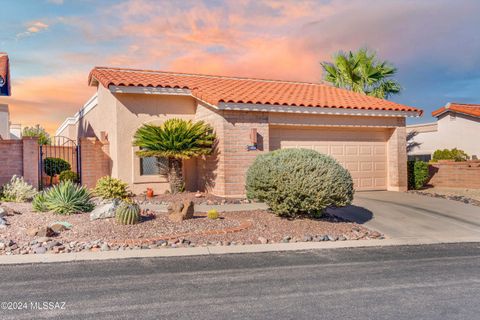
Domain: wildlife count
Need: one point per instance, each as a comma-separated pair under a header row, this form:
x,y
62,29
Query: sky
x,y
53,45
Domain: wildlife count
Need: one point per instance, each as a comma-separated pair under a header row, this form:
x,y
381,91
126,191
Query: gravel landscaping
x,y
196,198
157,230
468,196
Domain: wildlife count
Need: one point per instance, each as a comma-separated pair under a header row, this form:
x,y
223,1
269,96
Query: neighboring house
x,y
250,117
457,126
7,129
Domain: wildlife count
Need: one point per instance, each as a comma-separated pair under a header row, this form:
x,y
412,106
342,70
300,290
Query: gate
x,y
60,155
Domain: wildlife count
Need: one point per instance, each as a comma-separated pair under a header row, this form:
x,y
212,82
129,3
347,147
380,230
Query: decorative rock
x,y
32,232
162,243
105,211
262,240
60,226
331,238
342,238
40,250
45,232
286,239
104,247
177,212
198,194
3,213
43,239
52,244
2,246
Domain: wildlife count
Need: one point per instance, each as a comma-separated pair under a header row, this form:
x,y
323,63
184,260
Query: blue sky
x,y
54,44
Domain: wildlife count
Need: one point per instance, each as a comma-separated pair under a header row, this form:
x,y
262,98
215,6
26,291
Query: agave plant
x,y
176,140
65,198
38,202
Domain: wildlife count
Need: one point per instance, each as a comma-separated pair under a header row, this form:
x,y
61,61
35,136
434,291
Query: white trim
x,y
313,110
87,107
417,125
150,90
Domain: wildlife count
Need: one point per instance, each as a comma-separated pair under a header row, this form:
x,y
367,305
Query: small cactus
x,y
127,213
212,214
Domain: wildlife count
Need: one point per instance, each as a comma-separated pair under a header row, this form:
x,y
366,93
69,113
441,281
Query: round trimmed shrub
x,y
111,188
68,175
296,182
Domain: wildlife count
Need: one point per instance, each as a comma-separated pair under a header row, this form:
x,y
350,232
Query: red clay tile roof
x,y
470,109
4,74
217,89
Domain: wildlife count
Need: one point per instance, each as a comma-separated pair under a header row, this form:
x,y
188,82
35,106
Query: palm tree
x,y
362,72
175,140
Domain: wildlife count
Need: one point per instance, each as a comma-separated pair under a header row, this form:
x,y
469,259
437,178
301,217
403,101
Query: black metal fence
x,y
62,154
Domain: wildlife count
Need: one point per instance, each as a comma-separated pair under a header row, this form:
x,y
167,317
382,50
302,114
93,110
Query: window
x,y
153,166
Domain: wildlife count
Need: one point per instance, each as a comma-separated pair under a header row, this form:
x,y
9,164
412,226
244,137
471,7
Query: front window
x,y
150,166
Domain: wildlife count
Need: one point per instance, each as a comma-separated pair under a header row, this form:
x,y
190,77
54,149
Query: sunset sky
x,y
53,44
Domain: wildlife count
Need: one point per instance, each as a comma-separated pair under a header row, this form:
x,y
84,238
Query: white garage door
x,y
363,152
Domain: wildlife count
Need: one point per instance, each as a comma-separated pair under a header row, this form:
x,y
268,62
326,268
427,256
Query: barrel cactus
x,y
127,213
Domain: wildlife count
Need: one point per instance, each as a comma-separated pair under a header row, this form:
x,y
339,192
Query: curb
x,y
213,250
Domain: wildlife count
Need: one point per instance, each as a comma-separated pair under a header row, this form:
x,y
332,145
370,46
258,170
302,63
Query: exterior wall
x,y
451,132
455,174
95,160
19,157
134,110
397,159
4,122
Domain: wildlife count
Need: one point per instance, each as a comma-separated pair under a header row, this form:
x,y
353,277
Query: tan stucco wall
x,y
4,122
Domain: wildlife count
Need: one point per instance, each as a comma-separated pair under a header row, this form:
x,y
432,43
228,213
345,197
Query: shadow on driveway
x,y
353,213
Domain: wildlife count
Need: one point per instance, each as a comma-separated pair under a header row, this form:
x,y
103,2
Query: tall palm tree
x,y
362,72
176,140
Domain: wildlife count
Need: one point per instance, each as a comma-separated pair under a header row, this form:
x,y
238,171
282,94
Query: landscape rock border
x,y
463,199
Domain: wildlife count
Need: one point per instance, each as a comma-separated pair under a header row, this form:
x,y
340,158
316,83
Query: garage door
x,y
363,152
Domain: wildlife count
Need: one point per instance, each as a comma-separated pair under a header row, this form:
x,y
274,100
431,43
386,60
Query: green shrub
x,y
17,190
212,214
299,182
127,213
38,203
453,154
417,174
111,188
68,175
64,198
54,166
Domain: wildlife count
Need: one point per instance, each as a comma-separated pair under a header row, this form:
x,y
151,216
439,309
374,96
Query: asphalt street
x,y
405,282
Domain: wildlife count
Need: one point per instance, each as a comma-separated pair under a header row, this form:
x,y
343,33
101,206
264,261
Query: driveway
x,y
409,216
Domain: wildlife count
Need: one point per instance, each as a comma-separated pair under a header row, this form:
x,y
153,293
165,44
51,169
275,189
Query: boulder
x,y
3,213
105,211
32,232
45,232
179,211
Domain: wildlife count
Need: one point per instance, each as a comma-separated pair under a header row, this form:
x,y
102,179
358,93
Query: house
x,y
456,126
250,117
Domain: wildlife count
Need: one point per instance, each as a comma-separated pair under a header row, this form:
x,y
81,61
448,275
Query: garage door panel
x,y
361,152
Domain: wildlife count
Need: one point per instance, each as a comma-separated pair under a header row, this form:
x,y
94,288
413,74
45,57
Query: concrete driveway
x,y
409,216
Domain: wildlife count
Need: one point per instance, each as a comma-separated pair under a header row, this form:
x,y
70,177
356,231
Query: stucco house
x,y
250,116
457,126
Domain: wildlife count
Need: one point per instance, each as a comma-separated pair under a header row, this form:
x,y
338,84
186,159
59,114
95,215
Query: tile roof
x,y
217,89
4,75
470,109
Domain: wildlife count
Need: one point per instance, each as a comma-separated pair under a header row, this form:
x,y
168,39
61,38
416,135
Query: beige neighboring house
x,y
457,126
250,117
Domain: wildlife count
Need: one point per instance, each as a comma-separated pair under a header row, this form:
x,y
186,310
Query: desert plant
x,y
54,166
212,214
68,175
417,174
450,154
65,198
17,190
39,132
175,140
297,182
111,188
38,203
127,213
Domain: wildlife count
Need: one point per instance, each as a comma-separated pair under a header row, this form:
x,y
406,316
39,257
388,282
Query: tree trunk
x,y
175,175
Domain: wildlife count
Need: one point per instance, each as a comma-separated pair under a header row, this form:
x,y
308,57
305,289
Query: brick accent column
x,y
397,160
95,160
30,160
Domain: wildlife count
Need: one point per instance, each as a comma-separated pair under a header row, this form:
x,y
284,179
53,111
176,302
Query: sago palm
x,y
175,140
362,72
